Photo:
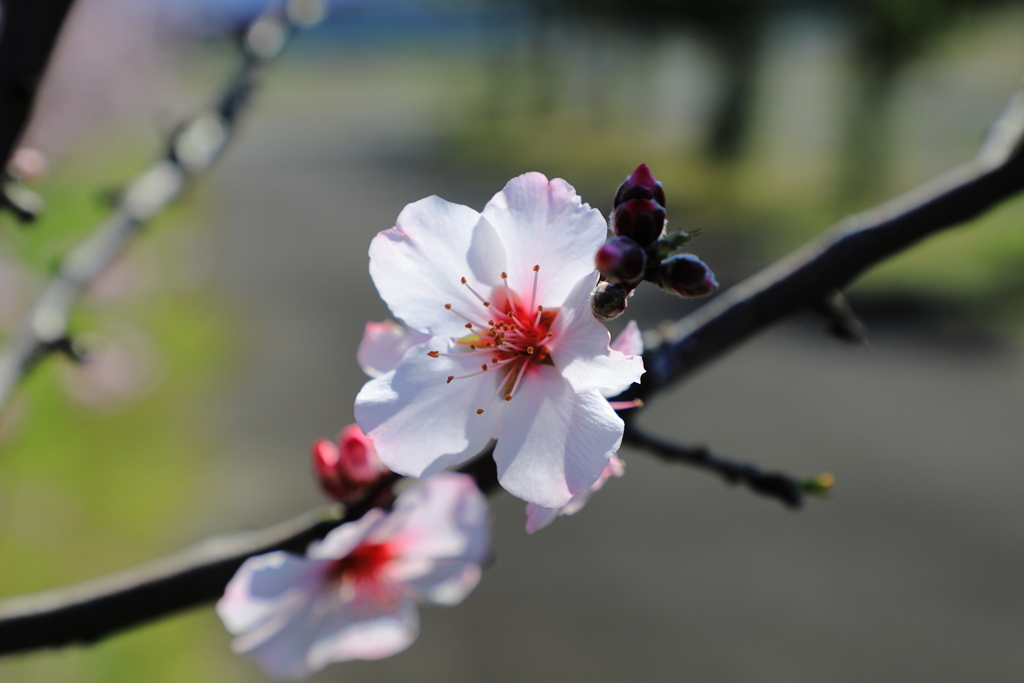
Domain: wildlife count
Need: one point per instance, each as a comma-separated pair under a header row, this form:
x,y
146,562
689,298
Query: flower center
x,y
509,333
360,575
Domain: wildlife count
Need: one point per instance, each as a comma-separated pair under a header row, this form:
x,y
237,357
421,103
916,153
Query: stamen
x,y
508,292
626,405
519,378
475,293
533,297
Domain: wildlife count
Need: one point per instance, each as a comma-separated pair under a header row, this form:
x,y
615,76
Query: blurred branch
x,y
92,610
813,273
191,150
89,611
29,32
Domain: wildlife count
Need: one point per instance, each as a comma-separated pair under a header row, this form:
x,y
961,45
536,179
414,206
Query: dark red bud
x,y
687,275
609,299
640,185
621,259
642,220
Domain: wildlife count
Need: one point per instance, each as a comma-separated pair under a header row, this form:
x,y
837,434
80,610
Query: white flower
x,y
354,595
515,353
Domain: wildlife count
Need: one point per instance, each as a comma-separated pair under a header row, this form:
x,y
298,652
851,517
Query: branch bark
x,y
813,273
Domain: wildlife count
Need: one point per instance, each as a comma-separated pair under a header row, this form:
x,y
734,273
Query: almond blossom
x,y
354,594
514,354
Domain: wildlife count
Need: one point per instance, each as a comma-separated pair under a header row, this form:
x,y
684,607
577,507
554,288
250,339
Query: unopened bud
x,y
347,469
621,259
687,275
642,220
640,185
609,300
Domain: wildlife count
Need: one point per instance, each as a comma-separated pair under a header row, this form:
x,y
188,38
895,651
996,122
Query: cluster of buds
x,y
347,470
641,250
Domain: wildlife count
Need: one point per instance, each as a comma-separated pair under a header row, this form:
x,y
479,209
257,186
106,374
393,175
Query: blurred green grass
x,y
85,492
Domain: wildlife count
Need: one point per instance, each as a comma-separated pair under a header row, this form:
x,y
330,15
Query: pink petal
x,y
538,517
554,442
580,347
383,345
630,341
545,223
419,423
441,527
417,265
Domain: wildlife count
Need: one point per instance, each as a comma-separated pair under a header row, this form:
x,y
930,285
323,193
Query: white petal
x,y
343,539
545,223
419,423
374,638
441,529
554,442
383,345
264,587
580,347
538,517
417,265
630,341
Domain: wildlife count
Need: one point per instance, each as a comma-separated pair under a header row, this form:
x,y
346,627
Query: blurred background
x,y
224,343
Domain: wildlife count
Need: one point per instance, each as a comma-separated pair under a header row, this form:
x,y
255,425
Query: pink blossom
x,y
347,469
383,345
354,594
538,517
515,353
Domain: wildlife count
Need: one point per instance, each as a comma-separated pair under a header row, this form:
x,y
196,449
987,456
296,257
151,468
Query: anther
x,y
479,411
529,350
540,309
504,276
536,268
447,307
450,378
469,326
508,397
483,367
463,280
472,347
434,354
494,360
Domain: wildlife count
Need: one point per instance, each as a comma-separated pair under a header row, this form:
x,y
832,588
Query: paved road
x,y
911,572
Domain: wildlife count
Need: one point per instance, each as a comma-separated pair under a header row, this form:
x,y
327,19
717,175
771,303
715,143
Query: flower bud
x,y
347,469
642,220
640,185
686,275
621,259
609,299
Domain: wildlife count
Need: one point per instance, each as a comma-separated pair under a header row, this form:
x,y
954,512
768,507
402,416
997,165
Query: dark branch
x,y
29,32
785,488
192,149
805,278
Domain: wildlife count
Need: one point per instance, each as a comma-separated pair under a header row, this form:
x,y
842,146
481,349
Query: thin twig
x,y
192,149
785,488
806,277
